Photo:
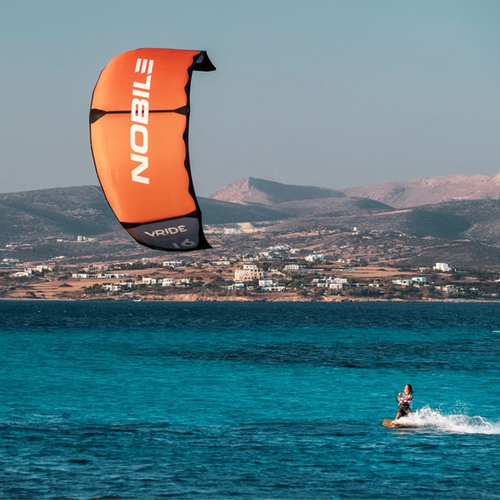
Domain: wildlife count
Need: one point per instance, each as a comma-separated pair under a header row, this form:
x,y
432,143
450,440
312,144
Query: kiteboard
x,y
391,424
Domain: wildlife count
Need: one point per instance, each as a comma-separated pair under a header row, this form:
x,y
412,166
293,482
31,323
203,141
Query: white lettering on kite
x,y
139,114
167,231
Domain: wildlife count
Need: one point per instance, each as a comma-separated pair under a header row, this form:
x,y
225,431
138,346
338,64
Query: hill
x,y
58,212
481,216
415,223
332,207
73,211
250,191
296,201
465,233
431,190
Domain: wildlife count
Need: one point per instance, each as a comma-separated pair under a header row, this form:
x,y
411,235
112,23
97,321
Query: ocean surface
x,y
247,400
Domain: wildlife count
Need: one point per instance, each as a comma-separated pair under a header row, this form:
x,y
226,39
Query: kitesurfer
x,y
405,400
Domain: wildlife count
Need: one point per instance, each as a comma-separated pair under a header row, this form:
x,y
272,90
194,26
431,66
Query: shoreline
x,y
188,299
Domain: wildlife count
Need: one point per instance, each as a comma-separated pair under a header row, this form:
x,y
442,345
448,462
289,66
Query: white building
x,y
448,289
115,287
293,267
336,284
179,282
336,287
401,282
23,274
273,288
267,285
266,282
126,284
442,266
83,276
279,248
173,263
113,276
237,285
249,272
315,257
111,287
150,281
415,280
420,280
41,268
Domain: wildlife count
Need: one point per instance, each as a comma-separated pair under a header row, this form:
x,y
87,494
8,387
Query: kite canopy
x,y
139,123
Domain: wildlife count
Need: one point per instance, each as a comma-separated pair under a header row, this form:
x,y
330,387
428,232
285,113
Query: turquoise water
x,y
251,401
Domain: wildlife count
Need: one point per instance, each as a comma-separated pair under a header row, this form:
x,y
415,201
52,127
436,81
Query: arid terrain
x,y
320,234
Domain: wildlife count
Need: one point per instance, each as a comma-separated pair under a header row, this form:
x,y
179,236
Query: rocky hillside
x,y
430,190
466,232
73,211
414,193
481,216
55,212
332,207
250,191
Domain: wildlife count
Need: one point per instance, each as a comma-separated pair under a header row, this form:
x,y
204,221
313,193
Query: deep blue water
x,y
251,401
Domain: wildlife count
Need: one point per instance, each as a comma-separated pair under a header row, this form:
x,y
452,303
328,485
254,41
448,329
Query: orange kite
x,y
139,125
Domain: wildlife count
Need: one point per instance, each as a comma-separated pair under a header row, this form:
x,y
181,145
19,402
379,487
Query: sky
x,y
331,93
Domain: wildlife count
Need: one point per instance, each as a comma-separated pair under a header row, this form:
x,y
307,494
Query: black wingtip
x,y
203,63
95,114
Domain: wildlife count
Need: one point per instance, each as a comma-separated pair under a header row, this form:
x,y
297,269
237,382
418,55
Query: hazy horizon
x,y
96,184
324,93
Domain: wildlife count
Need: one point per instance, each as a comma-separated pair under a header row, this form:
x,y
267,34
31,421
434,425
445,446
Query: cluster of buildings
x,y
133,283
146,281
276,280
276,269
31,271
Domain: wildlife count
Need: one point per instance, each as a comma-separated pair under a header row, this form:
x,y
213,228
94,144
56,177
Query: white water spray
x,y
455,423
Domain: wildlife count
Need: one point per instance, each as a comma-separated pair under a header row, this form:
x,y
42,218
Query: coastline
x,y
194,298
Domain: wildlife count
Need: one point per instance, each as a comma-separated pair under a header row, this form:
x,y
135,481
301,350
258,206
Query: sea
x,y
166,400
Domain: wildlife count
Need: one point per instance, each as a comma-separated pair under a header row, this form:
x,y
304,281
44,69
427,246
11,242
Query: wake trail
x,y
434,420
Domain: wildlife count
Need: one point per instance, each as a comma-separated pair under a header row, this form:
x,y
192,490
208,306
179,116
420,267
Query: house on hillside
x,y
271,286
442,266
293,267
146,280
315,257
335,284
173,263
249,272
83,276
23,274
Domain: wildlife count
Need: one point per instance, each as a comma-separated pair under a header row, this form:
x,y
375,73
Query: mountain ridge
x,y
431,190
252,190
49,221
404,194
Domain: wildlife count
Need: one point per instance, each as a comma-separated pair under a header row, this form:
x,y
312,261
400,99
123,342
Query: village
x,y
276,273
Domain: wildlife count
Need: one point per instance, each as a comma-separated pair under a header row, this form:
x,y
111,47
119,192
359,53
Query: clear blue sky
x,y
334,93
